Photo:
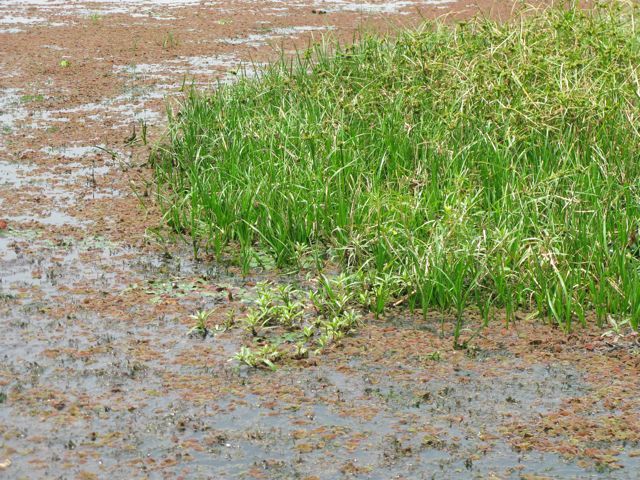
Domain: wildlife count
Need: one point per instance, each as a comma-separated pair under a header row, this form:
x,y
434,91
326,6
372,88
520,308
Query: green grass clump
x,y
286,326
478,165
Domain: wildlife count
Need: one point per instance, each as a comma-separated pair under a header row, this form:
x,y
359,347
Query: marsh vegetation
x,y
483,165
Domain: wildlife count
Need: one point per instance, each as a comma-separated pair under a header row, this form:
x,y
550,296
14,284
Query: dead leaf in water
x,y
5,464
305,448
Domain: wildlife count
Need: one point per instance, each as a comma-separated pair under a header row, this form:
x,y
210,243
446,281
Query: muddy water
x,y
98,376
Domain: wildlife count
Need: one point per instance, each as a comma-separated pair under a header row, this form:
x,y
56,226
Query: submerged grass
x,y
478,165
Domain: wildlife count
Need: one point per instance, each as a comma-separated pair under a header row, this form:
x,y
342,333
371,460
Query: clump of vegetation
x,y
169,41
274,307
95,18
200,327
32,98
265,356
481,165
287,323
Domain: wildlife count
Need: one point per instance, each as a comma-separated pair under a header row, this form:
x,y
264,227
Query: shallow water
x,y
98,376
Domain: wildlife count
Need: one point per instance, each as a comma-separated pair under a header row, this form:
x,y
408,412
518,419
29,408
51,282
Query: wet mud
x,y
98,375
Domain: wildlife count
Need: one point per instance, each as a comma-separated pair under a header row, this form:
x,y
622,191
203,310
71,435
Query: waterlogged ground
x,y
98,376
